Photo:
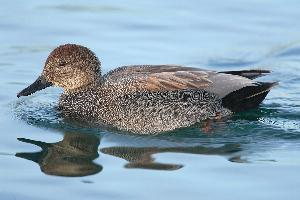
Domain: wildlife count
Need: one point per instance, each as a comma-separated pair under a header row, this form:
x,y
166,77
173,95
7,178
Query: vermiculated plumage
x,y
146,99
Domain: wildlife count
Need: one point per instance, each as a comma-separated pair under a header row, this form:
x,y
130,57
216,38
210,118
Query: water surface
x,y
253,155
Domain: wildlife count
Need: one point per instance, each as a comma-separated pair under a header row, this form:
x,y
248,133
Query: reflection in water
x,y
141,157
73,156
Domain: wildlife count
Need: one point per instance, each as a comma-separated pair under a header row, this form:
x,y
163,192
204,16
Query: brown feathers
x,y
158,77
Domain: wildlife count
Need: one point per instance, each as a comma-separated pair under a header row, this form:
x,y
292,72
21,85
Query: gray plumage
x,y
145,99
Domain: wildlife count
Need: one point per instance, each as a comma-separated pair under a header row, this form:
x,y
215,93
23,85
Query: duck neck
x,y
91,85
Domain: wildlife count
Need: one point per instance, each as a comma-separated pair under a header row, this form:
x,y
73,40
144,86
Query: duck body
x,y
142,112
146,99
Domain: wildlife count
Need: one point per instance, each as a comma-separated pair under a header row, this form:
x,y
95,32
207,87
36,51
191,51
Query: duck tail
x,y
251,74
248,97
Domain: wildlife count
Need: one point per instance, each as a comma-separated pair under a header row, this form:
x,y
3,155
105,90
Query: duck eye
x,y
62,63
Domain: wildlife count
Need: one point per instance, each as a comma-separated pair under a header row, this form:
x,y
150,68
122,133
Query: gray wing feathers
x,y
171,77
224,84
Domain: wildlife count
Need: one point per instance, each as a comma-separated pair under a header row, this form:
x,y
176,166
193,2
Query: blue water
x,y
253,155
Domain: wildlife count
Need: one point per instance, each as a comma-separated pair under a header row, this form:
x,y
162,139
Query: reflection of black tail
x,y
251,74
248,97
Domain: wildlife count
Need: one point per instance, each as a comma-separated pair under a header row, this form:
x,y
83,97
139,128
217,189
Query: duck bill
x,y
39,84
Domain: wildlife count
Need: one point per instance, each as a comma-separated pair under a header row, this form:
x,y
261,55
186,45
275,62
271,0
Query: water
x,y
253,155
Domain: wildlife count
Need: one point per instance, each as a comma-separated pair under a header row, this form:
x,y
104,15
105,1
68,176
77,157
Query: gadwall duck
x,y
145,99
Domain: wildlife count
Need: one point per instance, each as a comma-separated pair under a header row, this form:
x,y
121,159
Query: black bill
x,y
39,84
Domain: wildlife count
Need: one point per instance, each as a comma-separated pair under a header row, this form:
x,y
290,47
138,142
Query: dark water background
x,y
253,155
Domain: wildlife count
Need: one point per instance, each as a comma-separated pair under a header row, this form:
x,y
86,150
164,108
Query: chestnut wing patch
x,y
176,80
157,78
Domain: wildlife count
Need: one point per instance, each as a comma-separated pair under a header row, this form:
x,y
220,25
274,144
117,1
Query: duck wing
x,y
158,77
154,78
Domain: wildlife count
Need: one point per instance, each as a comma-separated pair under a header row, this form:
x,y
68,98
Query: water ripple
x,y
83,8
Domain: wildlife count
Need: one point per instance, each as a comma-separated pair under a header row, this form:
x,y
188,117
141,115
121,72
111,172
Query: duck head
x,y
69,66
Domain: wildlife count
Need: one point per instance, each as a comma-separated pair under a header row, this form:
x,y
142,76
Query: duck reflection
x,y
142,157
73,156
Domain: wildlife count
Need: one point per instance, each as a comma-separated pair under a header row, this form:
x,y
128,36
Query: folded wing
x,y
173,77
